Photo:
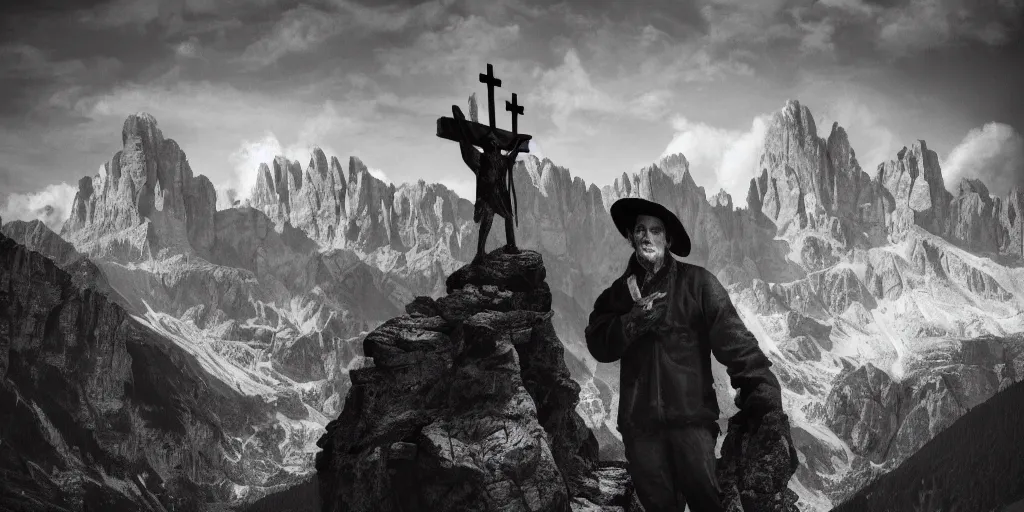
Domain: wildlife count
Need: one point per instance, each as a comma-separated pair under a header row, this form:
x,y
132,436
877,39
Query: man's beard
x,y
649,260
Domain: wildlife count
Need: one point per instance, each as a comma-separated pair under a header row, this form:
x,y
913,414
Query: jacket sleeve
x,y
605,333
736,347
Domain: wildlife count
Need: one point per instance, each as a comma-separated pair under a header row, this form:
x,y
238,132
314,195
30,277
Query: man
x,y
667,406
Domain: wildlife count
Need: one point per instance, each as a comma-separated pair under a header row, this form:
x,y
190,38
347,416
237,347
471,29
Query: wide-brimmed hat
x,y
626,210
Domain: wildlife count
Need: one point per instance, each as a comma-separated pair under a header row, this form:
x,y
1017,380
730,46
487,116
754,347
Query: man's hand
x,y
645,315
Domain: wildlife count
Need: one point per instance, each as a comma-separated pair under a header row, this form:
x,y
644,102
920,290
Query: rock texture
x,y
145,202
946,473
915,191
101,411
756,465
36,236
467,405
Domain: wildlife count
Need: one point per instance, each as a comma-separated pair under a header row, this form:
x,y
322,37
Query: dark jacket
x,y
665,374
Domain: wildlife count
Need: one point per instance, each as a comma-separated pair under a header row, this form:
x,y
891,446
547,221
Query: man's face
x,y
649,240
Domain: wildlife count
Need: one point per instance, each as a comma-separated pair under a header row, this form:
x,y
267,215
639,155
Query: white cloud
x,y
924,24
50,205
246,159
568,88
993,153
463,187
300,29
394,18
379,174
459,49
535,150
120,13
817,37
719,158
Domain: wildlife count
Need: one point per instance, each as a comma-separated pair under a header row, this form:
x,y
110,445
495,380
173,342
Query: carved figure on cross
x,y
495,187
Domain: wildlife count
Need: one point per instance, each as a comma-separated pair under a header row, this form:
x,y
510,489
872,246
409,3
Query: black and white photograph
x,y
511,255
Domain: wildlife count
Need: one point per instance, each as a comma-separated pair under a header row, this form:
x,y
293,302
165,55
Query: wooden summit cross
x,y
495,189
447,129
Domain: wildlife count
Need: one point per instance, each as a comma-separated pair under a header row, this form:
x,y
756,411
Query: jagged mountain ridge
x,y
808,285
948,472
105,412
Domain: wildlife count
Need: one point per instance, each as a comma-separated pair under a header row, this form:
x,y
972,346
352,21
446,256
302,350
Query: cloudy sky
x,y
608,86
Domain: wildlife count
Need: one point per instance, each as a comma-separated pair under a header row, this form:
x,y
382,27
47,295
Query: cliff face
x,y
467,405
334,211
914,191
946,472
101,410
146,201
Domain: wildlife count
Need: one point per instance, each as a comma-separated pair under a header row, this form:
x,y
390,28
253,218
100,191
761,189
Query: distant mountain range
x,y
233,331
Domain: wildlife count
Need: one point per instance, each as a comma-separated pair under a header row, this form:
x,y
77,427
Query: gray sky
x,y
608,86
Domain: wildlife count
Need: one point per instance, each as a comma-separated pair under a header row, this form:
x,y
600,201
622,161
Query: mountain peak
x,y
677,167
144,201
141,126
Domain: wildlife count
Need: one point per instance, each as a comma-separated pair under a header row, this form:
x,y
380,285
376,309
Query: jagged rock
x,y
607,489
806,337
802,347
106,411
916,193
762,298
862,409
816,254
838,287
883,274
757,463
721,200
422,306
792,157
934,259
145,202
515,273
1011,216
36,236
848,189
974,218
801,325
486,399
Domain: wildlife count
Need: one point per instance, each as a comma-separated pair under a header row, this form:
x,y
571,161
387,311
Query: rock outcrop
x,y
145,202
36,236
756,465
946,473
334,210
915,191
100,410
467,405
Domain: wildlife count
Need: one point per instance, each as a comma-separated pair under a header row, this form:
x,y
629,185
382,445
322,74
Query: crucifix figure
x,y
495,188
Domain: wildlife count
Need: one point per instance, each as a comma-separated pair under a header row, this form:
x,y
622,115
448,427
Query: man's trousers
x,y
673,467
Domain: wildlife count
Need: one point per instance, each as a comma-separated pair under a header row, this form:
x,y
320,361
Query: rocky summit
x,y
466,404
